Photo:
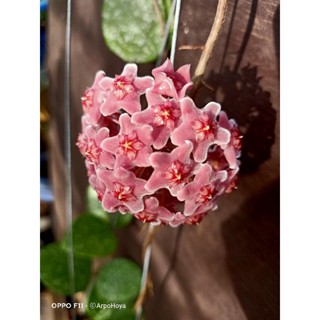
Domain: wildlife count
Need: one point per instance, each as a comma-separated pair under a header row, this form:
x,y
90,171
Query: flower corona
x,y
166,163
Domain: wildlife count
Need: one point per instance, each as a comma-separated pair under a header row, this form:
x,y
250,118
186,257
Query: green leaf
x,y
118,281
99,309
166,5
123,314
132,29
54,270
92,237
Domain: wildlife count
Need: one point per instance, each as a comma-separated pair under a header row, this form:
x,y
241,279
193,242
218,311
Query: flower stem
x,y
147,246
211,41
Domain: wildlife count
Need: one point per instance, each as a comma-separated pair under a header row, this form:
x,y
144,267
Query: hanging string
x,y
67,138
166,33
175,9
175,31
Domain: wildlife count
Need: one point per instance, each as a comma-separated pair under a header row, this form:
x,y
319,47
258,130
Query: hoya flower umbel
x,y
165,163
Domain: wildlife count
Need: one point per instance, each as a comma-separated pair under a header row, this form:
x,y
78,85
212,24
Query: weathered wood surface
x,y
227,268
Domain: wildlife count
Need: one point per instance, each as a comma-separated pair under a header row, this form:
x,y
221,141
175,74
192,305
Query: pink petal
x,y
142,159
131,103
166,67
223,120
142,117
109,105
135,206
143,83
201,151
230,155
130,70
110,203
165,87
179,218
161,136
156,182
222,136
213,107
106,83
184,72
107,160
110,144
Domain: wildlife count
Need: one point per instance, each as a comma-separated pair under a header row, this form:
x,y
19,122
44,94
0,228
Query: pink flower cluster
x,y
165,163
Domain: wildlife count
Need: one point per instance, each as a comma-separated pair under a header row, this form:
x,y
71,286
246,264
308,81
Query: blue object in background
x,y
43,5
46,194
42,45
43,9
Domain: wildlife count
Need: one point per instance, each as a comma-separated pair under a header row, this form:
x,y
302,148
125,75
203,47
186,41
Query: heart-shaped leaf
x,y
133,29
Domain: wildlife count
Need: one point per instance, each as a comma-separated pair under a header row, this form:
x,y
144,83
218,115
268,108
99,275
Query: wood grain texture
x,y
227,268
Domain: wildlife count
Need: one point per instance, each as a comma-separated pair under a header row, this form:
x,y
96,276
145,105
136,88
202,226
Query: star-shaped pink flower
x,y
92,99
200,194
89,144
123,91
131,145
171,170
154,213
163,114
200,127
232,150
172,83
123,189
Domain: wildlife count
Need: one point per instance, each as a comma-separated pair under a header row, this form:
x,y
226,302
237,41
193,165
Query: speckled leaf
x,y
54,270
132,29
166,4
